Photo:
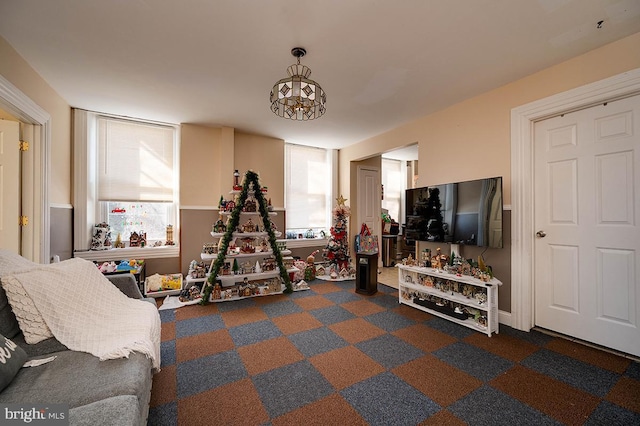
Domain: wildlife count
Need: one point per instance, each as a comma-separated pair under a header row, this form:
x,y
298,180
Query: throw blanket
x,y
87,313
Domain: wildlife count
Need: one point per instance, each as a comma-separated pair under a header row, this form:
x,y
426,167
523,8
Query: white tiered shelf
x,y
411,287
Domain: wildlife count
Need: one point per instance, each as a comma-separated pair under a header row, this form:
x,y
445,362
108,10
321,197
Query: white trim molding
x,y
522,178
22,107
129,253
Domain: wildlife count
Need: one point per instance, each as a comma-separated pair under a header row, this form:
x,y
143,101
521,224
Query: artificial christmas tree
x,y
337,251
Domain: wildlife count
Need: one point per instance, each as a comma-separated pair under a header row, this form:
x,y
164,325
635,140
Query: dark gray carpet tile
x,y
163,415
389,351
477,362
236,304
633,371
302,294
291,386
278,309
317,341
388,301
340,297
254,332
387,289
386,399
199,325
168,315
167,353
451,328
488,406
535,337
208,372
389,321
331,314
610,414
587,377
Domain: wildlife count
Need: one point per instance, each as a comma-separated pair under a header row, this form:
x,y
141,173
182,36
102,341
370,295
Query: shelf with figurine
x,y
248,232
451,288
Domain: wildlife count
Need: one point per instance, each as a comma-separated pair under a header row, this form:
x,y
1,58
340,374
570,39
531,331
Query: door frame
x,y
522,178
26,110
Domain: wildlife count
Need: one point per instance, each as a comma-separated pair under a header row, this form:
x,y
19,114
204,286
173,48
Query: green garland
x,y
250,177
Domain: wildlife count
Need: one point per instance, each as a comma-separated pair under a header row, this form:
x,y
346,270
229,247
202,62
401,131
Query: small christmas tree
x,y
337,251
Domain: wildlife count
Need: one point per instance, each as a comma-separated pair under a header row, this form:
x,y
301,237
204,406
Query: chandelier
x,y
297,97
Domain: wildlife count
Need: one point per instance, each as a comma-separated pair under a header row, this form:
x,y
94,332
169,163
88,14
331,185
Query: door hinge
x,y
24,146
23,221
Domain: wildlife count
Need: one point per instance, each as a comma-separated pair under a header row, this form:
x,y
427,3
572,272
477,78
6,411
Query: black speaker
x,y
366,273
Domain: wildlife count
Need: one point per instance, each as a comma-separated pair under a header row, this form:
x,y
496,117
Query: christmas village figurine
x,y
250,206
236,181
247,246
219,227
310,268
249,226
169,241
138,239
101,239
119,243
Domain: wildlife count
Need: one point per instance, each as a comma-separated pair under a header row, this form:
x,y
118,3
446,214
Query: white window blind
x,y
135,161
392,180
308,177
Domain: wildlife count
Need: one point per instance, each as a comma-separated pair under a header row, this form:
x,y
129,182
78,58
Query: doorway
x,y
523,178
587,246
36,239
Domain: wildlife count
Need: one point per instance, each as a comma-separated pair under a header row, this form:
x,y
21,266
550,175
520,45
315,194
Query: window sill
x,y
305,242
129,253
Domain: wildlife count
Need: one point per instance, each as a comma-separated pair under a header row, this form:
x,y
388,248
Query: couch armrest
x,y
127,284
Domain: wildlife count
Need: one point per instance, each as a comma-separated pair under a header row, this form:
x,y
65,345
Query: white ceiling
x,y
381,63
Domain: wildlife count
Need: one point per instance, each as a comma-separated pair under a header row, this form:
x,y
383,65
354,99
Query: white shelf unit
x,y
230,281
441,293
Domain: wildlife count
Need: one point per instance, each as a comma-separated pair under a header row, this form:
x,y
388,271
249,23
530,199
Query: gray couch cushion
x,y
8,323
78,378
117,411
11,359
45,347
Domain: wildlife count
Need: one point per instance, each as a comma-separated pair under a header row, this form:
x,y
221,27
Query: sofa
x,y
107,392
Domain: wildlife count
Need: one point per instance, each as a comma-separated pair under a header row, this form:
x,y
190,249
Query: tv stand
x,y
462,299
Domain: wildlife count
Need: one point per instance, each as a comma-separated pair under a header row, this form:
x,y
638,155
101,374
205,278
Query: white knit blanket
x,y
87,313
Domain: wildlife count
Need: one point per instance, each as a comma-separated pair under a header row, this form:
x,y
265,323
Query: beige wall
x,y
200,157
477,130
472,140
265,156
15,69
209,155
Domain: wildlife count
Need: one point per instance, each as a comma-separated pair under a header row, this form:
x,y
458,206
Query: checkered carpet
x,y
331,356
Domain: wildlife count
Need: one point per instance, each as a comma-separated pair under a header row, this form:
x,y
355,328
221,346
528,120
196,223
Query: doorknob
x,y
541,234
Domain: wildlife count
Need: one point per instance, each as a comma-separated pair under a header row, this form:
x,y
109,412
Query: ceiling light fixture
x,y
297,97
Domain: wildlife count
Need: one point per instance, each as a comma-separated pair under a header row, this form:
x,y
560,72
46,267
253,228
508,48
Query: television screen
x,y
461,213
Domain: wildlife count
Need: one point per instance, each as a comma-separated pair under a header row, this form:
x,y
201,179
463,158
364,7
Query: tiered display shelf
x,y
462,299
246,261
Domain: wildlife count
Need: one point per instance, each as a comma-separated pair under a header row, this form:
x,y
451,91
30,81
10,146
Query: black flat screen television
x,y
467,213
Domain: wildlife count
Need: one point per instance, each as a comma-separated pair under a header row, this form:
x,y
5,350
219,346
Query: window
x,y
135,177
309,189
127,170
392,181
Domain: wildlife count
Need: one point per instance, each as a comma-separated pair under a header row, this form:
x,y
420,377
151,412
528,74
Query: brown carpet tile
x,y
350,359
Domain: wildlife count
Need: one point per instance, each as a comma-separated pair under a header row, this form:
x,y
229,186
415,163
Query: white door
x,y
369,199
9,185
587,214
